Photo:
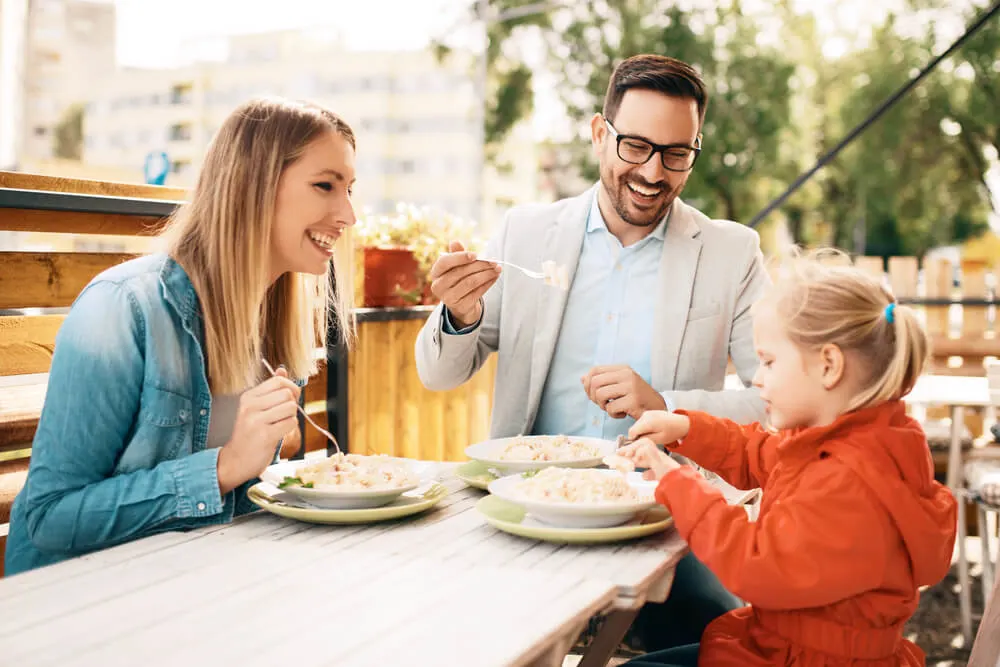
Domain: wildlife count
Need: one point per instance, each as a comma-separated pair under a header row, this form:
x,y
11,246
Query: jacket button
x,y
201,507
203,412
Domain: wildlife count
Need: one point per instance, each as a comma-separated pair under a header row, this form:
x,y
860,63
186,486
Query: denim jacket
x,y
120,449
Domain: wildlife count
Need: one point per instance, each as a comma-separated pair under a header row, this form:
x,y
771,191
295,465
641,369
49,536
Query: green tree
x,y
915,179
69,134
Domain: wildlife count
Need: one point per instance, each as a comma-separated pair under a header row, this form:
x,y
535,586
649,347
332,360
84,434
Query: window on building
x,y
180,132
181,93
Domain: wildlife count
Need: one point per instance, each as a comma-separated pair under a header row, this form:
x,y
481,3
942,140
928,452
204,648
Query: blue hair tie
x,y
890,312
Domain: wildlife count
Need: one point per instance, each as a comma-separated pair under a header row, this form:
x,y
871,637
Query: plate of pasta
x,y
577,498
533,452
347,481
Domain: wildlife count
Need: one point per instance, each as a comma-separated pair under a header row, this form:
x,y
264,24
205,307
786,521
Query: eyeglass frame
x,y
656,148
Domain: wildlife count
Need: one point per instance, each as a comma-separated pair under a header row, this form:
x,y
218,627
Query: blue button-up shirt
x,y
608,320
120,451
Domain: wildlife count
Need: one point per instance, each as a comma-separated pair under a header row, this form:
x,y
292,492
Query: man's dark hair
x,y
652,72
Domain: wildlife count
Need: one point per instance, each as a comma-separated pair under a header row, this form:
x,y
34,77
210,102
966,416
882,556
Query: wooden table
x,y
957,393
443,588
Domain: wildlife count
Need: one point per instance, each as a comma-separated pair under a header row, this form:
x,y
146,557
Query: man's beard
x,y
621,199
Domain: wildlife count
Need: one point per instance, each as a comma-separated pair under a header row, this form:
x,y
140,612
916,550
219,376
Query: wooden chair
x,y
37,287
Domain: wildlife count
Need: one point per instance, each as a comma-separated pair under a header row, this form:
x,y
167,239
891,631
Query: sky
x,y
153,34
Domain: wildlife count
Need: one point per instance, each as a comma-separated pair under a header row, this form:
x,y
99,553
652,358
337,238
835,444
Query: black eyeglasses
x,y
636,150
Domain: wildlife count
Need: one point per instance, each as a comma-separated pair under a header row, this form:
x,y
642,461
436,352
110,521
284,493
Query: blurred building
x,y
415,118
70,45
13,52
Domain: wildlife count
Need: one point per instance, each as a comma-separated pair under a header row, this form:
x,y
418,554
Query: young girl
x,y
159,411
851,521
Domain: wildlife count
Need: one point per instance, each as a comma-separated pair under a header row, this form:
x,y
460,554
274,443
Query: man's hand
x,y
619,391
459,280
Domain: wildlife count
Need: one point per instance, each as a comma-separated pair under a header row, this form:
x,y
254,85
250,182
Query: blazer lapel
x,y
678,268
562,243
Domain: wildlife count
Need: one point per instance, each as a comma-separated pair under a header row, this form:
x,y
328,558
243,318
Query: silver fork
x,y
528,272
303,412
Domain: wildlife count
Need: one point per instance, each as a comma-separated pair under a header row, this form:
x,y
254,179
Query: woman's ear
x,y
831,362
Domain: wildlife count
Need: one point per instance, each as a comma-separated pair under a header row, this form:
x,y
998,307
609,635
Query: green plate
x,y
512,519
475,474
407,504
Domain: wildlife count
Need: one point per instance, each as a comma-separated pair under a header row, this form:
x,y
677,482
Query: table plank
x,y
247,610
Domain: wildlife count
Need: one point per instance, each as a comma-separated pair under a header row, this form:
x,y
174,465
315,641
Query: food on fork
x,y
547,448
353,472
619,463
555,275
577,485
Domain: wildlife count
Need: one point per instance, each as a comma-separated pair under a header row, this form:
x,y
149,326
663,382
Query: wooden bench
x,y
36,287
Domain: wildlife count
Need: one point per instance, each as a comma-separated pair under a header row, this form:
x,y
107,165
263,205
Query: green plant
x,y
424,231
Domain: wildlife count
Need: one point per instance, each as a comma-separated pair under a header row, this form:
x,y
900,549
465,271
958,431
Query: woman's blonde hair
x,y
822,300
222,239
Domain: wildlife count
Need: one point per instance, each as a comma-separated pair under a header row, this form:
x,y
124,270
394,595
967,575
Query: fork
x,y
621,441
303,412
528,272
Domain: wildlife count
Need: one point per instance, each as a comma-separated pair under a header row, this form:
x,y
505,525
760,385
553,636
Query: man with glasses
x,y
657,304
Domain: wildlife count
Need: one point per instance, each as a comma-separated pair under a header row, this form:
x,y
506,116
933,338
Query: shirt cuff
x,y
449,326
197,485
670,407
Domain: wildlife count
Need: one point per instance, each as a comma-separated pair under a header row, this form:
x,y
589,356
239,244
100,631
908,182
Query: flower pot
x,y
392,278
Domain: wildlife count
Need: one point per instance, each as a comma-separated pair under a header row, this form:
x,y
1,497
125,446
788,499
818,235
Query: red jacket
x,y
851,524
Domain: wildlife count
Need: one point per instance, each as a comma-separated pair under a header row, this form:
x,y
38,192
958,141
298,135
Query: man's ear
x,y
598,133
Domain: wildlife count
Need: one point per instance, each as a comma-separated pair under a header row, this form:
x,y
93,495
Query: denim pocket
x,y
164,408
164,419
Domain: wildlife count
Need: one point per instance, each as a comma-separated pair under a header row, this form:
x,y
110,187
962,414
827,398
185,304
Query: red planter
x,y
392,278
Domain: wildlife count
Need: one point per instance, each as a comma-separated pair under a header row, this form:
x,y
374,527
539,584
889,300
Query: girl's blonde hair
x,y
222,239
822,300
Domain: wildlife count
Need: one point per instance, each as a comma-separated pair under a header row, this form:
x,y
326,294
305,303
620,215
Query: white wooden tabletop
x,y
442,588
950,390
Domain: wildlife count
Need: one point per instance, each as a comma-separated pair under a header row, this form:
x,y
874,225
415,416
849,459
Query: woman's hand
x,y
643,453
266,414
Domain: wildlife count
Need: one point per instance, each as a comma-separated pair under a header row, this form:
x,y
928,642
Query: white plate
x,y
332,498
488,451
578,515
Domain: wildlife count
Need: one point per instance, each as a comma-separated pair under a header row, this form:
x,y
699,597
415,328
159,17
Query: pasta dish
x,y
353,472
547,448
573,485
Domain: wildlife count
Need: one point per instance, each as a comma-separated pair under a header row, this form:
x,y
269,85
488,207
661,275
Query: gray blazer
x,y
711,272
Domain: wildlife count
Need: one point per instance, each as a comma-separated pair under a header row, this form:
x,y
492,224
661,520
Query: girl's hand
x,y
267,413
661,427
645,454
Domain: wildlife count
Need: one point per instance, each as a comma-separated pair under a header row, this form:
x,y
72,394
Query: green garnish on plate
x,y
294,481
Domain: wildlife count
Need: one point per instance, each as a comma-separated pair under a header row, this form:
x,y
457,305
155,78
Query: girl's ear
x,y
831,360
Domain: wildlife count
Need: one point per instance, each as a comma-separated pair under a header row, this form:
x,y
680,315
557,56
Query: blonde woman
x,y
159,412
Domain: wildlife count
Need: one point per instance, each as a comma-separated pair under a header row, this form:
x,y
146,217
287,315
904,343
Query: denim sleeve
x,y
73,502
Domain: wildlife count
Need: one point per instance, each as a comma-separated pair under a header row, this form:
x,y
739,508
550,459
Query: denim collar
x,y
179,292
